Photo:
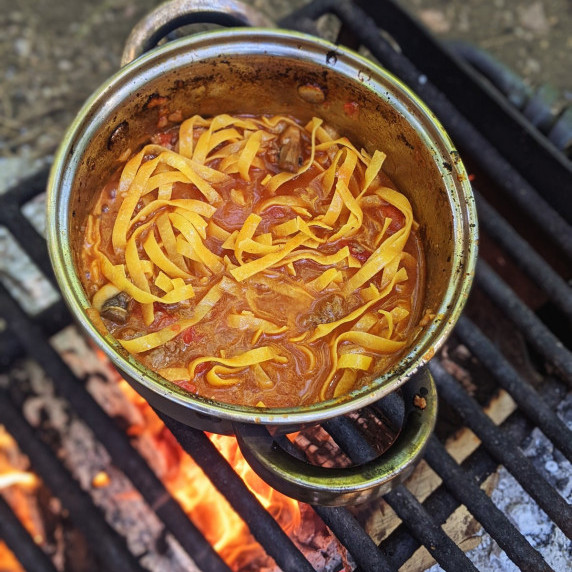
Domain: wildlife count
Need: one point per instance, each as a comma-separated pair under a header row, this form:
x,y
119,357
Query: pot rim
x,y
353,67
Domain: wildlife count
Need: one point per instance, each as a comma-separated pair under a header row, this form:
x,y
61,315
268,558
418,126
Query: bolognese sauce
x,y
256,260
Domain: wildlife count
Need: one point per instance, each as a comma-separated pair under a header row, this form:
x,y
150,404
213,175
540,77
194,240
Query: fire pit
x,y
506,366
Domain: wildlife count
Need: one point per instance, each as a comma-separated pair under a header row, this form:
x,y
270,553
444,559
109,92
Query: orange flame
x,y
208,508
186,482
16,484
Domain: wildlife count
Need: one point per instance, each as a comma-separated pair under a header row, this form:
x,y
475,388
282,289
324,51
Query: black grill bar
x,y
35,246
527,259
537,334
27,189
534,156
367,555
503,450
405,505
484,510
520,390
104,541
440,504
124,456
426,530
461,130
263,527
351,534
18,539
348,437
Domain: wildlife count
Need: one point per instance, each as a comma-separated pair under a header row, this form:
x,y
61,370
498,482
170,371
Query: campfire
x,y
183,478
508,363
210,511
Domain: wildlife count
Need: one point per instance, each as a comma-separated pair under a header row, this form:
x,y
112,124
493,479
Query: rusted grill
x,y
523,219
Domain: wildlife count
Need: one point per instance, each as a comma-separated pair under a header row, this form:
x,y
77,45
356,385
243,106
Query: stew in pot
x,y
255,260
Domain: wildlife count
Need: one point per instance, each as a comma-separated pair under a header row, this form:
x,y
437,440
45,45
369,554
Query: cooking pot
x,y
264,70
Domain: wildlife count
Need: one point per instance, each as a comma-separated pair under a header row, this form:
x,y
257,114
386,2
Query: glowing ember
x,y
17,486
186,482
101,479
8,562
17,478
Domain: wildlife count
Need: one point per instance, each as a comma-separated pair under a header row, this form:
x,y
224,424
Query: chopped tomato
x,y
201,368
189,336
162,319
396,216
165,139
356,250
187,385
351,108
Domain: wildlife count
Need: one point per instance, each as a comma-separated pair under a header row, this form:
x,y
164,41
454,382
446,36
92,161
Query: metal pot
x,y
273,71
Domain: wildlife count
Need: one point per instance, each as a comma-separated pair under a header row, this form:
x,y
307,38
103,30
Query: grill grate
x,y
25,335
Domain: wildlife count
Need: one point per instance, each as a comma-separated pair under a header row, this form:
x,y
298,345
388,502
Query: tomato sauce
x,y
288,295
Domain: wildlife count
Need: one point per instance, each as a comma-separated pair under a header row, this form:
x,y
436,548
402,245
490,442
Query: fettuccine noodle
x,y
256,260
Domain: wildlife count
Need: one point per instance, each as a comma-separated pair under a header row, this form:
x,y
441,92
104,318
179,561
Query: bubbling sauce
x,y
255,261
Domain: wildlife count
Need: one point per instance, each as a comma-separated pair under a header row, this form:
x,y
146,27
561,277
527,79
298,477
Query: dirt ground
x,y
534,38
56,52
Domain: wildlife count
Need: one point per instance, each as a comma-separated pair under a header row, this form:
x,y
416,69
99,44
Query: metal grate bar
x,y
351,534
461,130
441,504
520,390
104,541
405,505
493,520
505,128
400,544
503,450
18,539
348,437
527,259
263,527
124,456
427,531
27,189
538,335
367,555
392,409
25,234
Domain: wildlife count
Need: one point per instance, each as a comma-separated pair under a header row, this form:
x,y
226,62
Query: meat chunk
x,y
116,309
325,311
290,150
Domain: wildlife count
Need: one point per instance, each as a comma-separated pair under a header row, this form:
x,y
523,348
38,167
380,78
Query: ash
x,y
524,513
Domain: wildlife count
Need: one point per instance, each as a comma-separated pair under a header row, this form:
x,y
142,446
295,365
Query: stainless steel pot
x,y
272,71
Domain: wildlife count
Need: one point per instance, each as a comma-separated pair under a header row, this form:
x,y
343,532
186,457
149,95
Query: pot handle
x,y
169,16
308,483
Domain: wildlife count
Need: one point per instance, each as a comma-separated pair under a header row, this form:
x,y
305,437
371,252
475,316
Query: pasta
x,y
256,260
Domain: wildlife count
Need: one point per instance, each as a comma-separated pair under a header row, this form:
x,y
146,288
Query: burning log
x,y
182,477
